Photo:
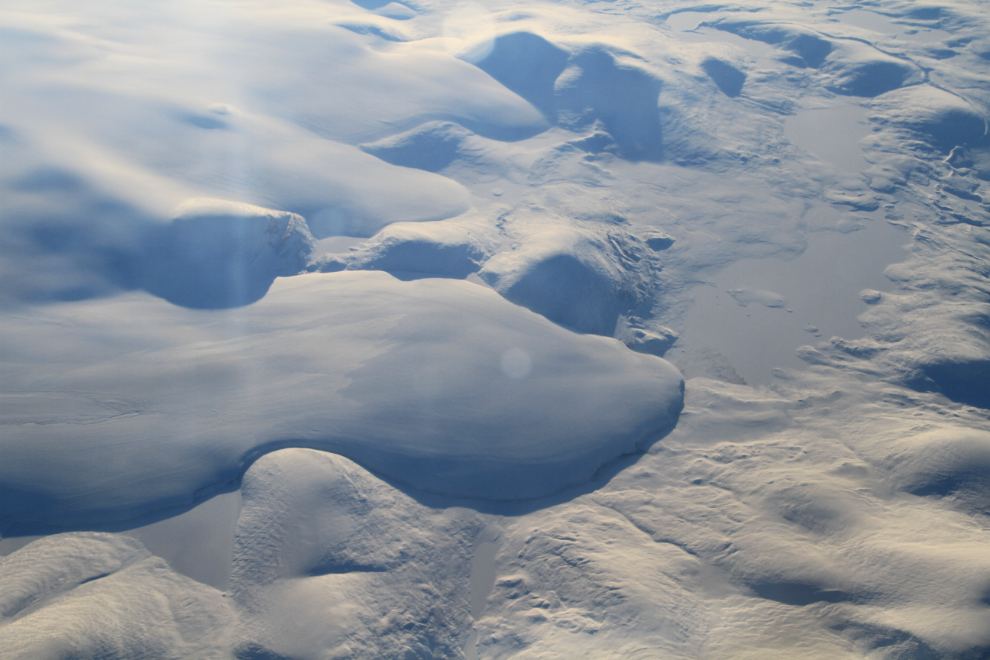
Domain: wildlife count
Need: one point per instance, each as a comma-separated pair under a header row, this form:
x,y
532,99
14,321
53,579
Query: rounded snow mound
x,y
316,523
568,275
94,595
431,146
438,384
574,88
432,249
948,462
860,70
805,47
216,253
613,88
940,118
529,65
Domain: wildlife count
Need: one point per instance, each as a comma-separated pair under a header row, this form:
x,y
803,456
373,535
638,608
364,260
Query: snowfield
x,y
427,329
438,384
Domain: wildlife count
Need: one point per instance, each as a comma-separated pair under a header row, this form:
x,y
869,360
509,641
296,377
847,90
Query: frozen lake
x,y
818,295
831,130
877,22
815,294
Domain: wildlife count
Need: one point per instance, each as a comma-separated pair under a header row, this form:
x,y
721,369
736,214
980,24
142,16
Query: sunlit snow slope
x,y
130,404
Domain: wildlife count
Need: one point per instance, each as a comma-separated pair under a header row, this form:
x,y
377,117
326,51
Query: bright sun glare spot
x,y
516,363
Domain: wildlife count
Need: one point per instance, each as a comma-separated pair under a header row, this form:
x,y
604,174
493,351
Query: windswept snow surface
x,y
439,329
414,380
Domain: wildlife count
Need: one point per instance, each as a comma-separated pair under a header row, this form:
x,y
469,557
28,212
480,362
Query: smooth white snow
x,y
832,133
408,378
770,301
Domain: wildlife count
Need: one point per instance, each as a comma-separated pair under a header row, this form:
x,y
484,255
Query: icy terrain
x,y
430,329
